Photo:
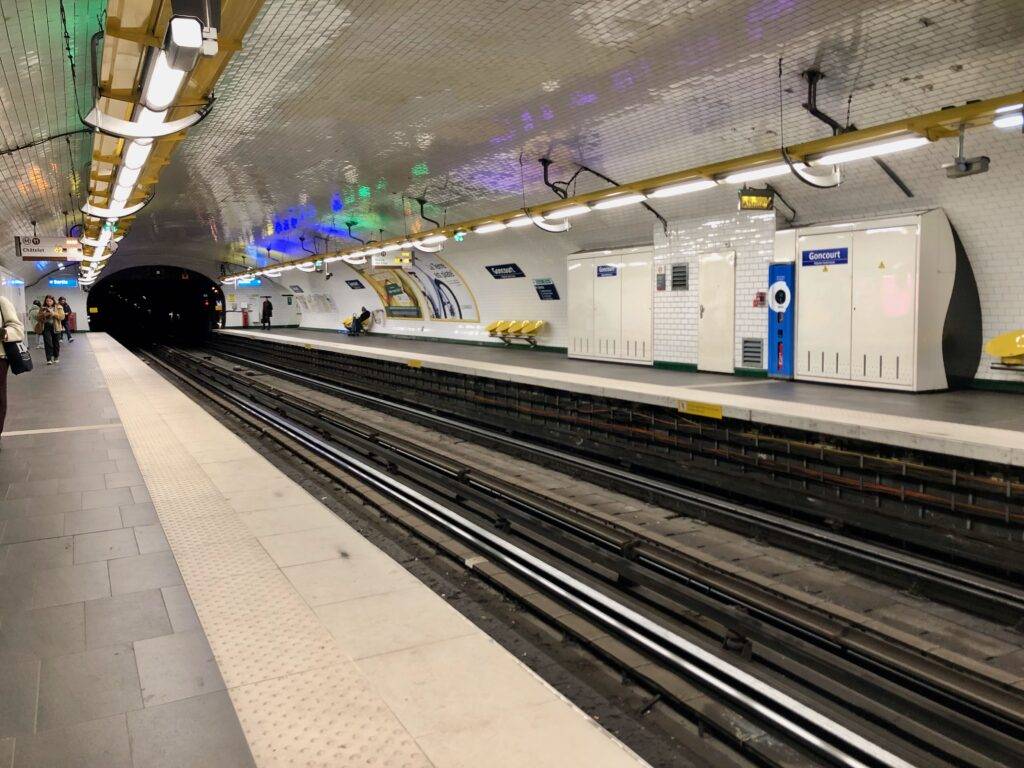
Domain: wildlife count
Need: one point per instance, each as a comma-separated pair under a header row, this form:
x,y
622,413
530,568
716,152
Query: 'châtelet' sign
x,y
32,248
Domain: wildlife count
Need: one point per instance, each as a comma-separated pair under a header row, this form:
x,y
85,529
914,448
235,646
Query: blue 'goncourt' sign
x,y
825,257
607,270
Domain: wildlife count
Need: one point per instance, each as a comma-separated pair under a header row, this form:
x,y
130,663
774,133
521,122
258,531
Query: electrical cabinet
x,y
610,305
872,300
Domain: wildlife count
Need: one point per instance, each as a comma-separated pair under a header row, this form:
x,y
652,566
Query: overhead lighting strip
x,y
889,138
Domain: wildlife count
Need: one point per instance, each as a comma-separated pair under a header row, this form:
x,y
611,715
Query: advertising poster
x,y
427,287
446,295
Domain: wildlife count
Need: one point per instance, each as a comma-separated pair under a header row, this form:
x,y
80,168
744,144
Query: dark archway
x,y
142,305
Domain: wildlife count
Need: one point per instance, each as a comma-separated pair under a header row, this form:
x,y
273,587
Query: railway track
x,y
821,692
921,575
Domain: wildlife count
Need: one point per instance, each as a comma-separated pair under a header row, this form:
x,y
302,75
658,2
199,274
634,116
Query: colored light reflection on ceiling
x,y
420,169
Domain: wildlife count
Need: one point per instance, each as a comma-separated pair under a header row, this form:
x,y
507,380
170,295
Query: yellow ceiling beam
x,y
942,123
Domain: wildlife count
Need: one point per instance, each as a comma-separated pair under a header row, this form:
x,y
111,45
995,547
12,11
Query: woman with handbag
x,y
51,317
13,331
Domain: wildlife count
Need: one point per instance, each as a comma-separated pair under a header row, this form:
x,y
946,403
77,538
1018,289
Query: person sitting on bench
x,y
358,321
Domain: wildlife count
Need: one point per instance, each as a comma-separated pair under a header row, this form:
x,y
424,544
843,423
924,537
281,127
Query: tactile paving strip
x,y
309,716
300,700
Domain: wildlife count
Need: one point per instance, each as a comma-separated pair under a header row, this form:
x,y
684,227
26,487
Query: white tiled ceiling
x,y
360,102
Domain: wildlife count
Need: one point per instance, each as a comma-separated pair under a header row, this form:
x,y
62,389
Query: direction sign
x,y
31,248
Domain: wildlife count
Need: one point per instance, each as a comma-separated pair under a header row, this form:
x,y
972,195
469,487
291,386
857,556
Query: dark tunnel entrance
x,y
143,305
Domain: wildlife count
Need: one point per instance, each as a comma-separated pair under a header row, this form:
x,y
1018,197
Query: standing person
x,y
67,317
266,313
13,330
33,319
50,326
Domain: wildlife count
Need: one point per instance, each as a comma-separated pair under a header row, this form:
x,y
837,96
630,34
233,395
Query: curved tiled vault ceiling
x,y
335,110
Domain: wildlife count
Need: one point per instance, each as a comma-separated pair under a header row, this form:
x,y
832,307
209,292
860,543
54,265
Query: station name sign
x,y
31,248
824,257
505,271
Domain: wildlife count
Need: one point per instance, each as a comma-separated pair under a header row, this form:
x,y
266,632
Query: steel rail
x,y
815,731
975,591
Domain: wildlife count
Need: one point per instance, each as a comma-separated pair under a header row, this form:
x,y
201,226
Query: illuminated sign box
x,y
249,282
31,248
63,282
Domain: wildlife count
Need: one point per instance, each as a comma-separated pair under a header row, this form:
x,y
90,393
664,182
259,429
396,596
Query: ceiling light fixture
x,y
432,240
682,188
761,172
1011,116
136,154
869,149
618,201
563,213
491,226
519,221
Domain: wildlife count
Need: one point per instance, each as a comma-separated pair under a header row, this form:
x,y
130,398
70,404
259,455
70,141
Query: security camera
x,y
965,166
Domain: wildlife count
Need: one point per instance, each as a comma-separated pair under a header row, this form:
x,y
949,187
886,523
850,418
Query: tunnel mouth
x,y
153,304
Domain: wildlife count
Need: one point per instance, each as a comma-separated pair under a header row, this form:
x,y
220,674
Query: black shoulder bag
x,y
18,357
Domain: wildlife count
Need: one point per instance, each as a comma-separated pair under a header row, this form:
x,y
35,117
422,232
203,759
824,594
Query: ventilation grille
x,y
753,353
680,277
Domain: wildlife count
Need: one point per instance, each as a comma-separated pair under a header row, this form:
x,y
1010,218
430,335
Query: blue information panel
x,y
825,257
607,270
505,271
249,282
63,282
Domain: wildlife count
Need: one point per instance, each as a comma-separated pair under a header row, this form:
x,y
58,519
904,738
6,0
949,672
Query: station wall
x,y
236,299
985,211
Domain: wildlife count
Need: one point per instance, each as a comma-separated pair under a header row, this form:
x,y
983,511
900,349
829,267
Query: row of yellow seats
x,y
515,327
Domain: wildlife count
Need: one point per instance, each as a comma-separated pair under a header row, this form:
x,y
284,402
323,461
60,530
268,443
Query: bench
x,y
510,331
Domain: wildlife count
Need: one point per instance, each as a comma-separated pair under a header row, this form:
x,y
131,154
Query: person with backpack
x,y
67,317
13,330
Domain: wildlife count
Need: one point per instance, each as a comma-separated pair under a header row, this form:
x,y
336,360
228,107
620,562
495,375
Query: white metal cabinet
x,y
607,306
637,309
823,305
884,299
580,305
610,305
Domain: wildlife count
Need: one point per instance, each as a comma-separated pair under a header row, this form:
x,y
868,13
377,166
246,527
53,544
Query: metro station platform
x,y
170,598
972,424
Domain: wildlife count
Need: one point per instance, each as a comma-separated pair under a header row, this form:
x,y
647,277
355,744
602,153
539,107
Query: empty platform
x,y
306,644
972,424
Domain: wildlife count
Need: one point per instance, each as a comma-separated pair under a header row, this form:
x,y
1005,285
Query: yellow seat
x,y
532,327
1008,347
502,327
492,327
516,327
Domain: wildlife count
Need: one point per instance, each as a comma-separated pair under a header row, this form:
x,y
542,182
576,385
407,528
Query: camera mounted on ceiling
x,y
965,166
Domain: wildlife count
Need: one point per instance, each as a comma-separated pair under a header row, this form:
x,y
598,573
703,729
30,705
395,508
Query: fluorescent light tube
x,y
761,172
491,226
683,187
519,221
392,247
433,240
121,194
564,213
617,201
162,83
1010,116
137,153
872,149
128,176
